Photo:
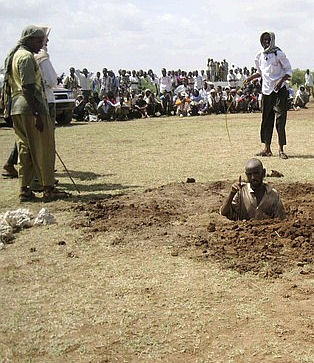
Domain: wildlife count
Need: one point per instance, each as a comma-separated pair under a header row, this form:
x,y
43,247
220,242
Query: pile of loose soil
x,y
186,217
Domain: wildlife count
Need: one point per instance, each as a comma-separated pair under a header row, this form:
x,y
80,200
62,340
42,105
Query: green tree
x,y
297,77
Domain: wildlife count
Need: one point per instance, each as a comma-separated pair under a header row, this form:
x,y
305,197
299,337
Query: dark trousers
x,y
13,156
274,107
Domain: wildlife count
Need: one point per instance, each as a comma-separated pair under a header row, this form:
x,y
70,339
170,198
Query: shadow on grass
x,y
104,187
73,123
301,156
81,175
96,191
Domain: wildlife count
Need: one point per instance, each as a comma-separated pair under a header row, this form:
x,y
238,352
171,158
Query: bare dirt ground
x,y
186,216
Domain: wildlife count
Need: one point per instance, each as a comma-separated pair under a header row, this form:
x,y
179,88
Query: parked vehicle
x,y
65,104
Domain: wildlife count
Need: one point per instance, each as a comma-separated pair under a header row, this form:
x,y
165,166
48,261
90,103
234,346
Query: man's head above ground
x,y
255,172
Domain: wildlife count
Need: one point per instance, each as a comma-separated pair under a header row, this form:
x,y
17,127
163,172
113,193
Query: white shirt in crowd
x,y
232,80
309,79
198,82
85,82
165,84
272,67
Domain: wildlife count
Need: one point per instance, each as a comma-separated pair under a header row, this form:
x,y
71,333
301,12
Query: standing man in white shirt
x,y
274,68
165,86
309,83
48,74
198,81
86,81
232,79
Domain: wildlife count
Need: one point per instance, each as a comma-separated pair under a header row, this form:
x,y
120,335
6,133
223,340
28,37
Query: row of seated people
x,y
182,102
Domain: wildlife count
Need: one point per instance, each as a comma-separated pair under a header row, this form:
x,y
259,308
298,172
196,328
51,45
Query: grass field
x,y
93,300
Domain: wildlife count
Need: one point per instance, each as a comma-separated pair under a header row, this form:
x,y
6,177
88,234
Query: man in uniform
x,y
255,199
29,110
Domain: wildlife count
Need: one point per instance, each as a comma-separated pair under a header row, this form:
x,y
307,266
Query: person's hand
x,y
278,85
237,186
39,123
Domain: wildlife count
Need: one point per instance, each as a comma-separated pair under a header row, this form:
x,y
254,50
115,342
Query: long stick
x,y
69,175
240,198
226,123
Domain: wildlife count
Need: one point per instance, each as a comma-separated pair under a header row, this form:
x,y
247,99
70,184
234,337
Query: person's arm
x,y
27,75
280,82
34,105
251,78
286,66
100,104
226,208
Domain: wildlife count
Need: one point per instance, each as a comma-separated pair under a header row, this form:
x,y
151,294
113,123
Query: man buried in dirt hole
x,y
255,199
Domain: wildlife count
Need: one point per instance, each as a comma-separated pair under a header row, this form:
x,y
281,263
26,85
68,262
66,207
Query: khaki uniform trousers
x,y
36,150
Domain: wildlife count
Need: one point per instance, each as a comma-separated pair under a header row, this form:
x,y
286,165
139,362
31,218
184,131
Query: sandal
x,y
27,196
283,155
54,194
264,153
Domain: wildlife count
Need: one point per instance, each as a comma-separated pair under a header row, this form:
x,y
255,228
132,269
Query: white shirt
x,y
134,83
165,84
85,82
198,82
309,80
204,94
49,76
232,80
272,68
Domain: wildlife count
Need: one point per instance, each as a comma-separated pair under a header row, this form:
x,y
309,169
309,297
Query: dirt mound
x,y
186,217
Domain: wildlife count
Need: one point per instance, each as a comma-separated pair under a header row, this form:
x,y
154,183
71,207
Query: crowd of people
x,y
142,94
136,94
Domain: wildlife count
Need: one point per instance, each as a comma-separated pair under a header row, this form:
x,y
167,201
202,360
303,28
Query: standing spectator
x,y
165,92
134,82
232,79
146,83
104,89
309,82
204,76
226,69
97,84
85,79
274,68
212,68
49,75
72,83
124,81
155,81
240,78
112,84
198,81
